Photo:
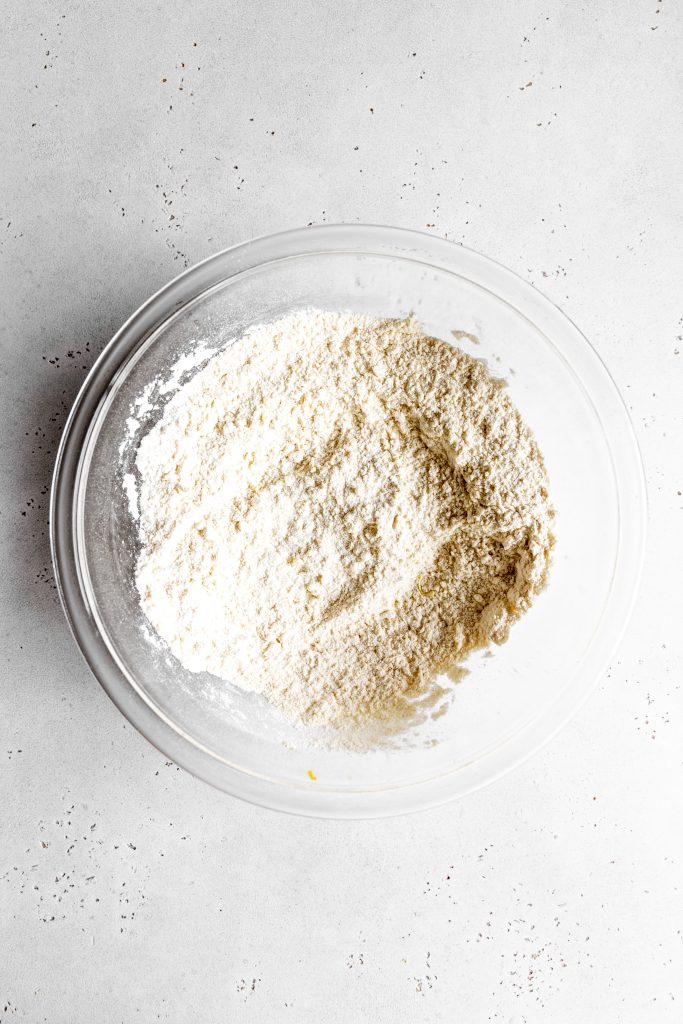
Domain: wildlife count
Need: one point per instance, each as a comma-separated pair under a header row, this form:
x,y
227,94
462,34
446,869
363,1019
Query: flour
x,y
334,510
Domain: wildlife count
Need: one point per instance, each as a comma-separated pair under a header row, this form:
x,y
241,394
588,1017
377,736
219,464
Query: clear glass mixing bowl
x,y
510,702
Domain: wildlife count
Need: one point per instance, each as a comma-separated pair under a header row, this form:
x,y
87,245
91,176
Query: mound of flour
x,y
334,510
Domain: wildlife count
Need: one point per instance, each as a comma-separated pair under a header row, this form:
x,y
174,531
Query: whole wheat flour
x,y
336,509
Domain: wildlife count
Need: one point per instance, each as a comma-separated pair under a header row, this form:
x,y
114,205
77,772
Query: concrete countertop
x,y
140,138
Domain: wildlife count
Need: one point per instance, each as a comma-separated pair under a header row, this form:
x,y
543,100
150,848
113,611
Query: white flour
x,y
334,510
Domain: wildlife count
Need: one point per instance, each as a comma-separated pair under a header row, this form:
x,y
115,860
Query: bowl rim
x,y
313,799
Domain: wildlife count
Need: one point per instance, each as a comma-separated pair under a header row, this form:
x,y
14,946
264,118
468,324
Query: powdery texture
x,y
334,510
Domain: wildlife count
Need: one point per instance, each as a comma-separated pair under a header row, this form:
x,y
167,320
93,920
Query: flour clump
x,y
334,510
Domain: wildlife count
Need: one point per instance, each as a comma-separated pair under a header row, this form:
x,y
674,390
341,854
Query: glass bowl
x,y
514,697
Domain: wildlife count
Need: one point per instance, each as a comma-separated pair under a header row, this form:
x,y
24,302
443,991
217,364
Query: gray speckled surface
x,y
139,138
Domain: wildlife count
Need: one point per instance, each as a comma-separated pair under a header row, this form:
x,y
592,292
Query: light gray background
x,y
139,138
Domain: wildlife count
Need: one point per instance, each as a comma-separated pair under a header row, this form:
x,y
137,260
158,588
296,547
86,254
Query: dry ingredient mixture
x,y
335,510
